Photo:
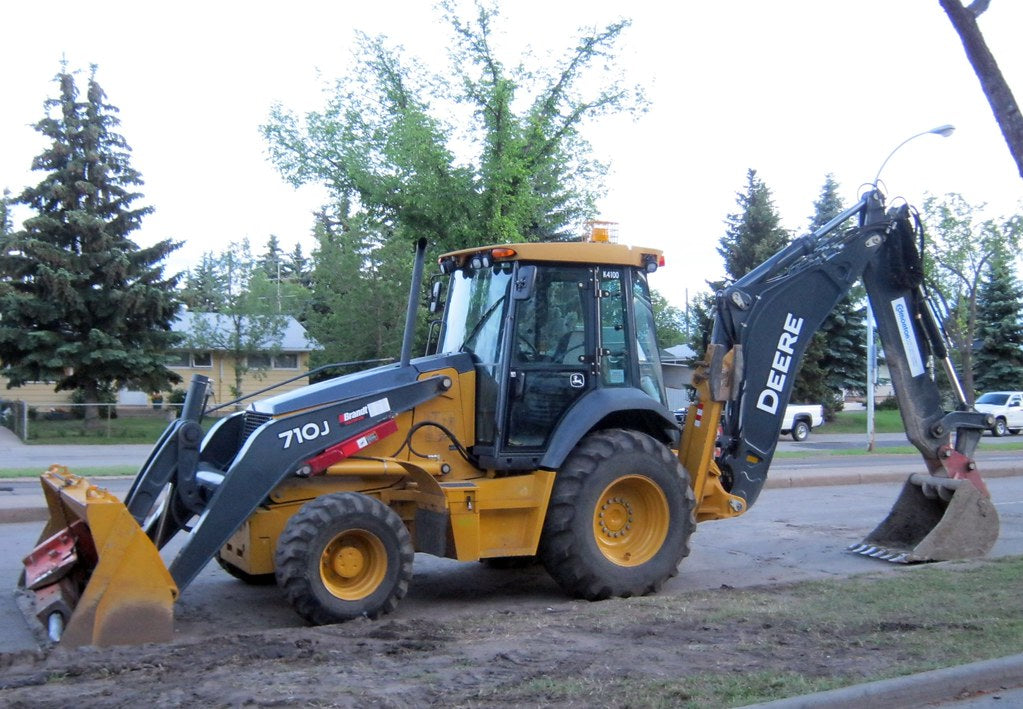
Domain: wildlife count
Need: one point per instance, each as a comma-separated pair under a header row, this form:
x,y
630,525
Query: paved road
x,y
798,530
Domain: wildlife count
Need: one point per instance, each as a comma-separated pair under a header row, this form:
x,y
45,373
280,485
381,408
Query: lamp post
x,y
944,131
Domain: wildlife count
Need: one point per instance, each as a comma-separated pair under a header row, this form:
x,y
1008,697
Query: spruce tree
x,y
998,362
754,233
836,358
5,213
85,306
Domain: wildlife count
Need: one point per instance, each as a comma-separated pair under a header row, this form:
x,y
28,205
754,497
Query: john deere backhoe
x,y
538,427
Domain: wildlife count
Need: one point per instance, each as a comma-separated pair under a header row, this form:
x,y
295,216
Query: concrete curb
x,y
782,480
925,688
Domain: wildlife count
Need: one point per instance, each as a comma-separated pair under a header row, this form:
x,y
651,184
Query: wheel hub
x,y
353,564
616,517
349,562
631,520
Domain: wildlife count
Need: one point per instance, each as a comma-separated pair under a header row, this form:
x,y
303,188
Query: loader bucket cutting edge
x,y
934,519
96,577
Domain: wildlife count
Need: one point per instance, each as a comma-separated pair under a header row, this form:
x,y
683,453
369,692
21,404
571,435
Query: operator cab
x,y
545,334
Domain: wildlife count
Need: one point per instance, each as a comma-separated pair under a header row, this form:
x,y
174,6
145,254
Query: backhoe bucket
x,y
96,578
934,519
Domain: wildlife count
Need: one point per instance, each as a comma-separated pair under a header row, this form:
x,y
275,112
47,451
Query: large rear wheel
x,y
344,556
620,517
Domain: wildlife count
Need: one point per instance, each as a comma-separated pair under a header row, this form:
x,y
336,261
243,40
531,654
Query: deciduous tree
x,y
996,88
487,153
247,321
961,247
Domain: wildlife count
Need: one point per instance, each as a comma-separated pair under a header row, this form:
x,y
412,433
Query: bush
x,y
889,404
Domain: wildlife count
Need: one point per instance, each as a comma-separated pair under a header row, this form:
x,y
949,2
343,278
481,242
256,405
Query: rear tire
x,y
800,431
344,556
1000,428
619,519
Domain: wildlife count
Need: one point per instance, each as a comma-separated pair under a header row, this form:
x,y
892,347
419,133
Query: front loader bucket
x,y
96,578
934,519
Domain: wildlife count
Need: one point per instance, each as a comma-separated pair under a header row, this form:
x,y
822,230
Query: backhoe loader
x,y
537,427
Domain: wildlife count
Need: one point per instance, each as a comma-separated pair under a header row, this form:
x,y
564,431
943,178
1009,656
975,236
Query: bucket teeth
x,y
875,552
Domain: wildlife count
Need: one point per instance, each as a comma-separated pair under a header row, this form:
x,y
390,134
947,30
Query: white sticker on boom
x,y
905,322
380,406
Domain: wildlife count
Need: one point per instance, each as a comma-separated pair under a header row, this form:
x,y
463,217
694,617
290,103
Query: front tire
x,y
620,517
344,556
1000,429
800,431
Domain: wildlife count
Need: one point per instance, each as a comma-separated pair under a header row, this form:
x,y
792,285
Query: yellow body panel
x,y
493,517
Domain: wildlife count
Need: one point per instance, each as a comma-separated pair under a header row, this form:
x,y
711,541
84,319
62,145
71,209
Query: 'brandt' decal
x,y
373,408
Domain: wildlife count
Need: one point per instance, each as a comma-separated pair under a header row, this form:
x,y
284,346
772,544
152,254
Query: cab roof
x,y
586,252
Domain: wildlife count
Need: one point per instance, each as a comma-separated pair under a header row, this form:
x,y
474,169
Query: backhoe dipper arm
x,y
768,317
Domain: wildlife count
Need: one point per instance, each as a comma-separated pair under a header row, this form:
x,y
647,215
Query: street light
x,y
944,131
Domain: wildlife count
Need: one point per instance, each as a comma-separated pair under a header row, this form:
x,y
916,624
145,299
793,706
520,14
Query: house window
x,y
258,361
179,360
281,361
190,360
286,361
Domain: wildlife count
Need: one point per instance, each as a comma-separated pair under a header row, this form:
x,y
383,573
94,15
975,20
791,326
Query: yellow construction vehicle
x,y
537,427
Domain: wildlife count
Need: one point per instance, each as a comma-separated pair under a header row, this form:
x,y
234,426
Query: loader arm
x,y
765,320
225,488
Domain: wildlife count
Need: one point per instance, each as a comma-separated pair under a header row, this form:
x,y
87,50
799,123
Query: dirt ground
x,y
651,651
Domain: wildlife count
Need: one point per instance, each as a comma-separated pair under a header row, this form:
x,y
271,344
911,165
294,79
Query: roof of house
x,y
293,339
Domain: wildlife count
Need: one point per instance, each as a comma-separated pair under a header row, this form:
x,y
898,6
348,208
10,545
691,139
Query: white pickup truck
x,y
1007,409
800,418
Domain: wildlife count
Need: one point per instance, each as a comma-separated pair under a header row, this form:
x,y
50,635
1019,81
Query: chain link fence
x,y
67,422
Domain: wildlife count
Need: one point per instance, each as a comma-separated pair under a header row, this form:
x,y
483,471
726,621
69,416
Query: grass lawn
x,y
121,430
885,421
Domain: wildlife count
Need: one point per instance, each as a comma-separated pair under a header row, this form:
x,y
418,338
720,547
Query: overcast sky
x,y
794,89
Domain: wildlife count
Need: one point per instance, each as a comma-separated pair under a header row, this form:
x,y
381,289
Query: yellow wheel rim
x,y
353,564
630,522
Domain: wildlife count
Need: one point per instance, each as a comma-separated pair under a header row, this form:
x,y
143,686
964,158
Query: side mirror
x,y
436,304
525,281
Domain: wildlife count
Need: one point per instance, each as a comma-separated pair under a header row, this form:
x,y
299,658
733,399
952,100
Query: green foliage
x,y
360,284
83,305
702,309
836,359
998,361
5,213
669,320
962,245
385,144
754,233
246,319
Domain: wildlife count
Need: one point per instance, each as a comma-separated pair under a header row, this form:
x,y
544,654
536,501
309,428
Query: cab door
x,y
553,348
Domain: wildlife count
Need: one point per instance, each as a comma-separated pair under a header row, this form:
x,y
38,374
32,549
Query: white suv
x,y
1006,407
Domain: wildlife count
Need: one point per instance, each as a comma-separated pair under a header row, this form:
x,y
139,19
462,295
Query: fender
x,y
596,406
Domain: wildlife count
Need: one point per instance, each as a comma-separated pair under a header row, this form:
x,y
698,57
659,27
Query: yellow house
x,y
289,358
283,359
